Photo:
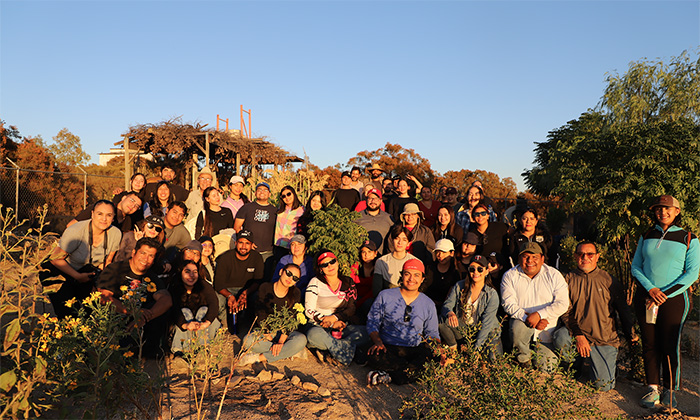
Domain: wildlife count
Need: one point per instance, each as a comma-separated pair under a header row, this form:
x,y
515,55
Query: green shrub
x,y
334,229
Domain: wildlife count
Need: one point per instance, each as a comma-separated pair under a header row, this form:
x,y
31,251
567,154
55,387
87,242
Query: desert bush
x,y
334,229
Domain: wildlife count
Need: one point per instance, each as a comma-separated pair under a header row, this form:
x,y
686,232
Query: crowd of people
x,y
433,267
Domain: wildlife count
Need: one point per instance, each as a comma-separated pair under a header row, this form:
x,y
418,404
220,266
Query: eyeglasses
x,y
291,276
194,252
326,264
407,314
156,227
286,195
475,269
134,201
205,178
586,254
480,213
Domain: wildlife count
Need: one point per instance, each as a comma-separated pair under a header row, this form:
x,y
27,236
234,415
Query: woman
x,y
442,273
288,213
330,307
236,199
397,203
363,275
137,184
493,241
316,202
429,207
387,271
213,218
472,301
284,344
150,227
195,306
208,260
463,216
297,255
160,200
530,230
446,227
84,250
665,265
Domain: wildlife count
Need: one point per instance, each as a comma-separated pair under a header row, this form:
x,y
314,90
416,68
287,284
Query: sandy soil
x,y
351,399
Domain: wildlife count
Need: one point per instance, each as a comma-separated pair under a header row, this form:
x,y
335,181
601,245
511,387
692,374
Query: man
x,y
259,218
195,202
356,183
468,249
375,221
128,205
376,175
346,196
398,324
388,192
176,235
451,198
534,295
239,272
485,198
423,239
596,297
167,173
130,274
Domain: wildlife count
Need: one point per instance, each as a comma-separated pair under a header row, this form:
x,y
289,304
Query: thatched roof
x,y
176,138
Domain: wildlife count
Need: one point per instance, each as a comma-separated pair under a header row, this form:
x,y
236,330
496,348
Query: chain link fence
x,y
64,193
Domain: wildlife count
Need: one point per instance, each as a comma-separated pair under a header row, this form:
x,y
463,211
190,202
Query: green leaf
x,y
8,380
39,366
11,333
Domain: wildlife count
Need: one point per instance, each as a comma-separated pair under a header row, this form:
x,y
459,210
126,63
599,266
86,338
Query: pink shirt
x,y
286,226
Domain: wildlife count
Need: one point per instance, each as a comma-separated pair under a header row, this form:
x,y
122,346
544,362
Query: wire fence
x,y
65,194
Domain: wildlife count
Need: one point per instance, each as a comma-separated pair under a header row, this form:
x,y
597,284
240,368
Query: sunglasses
x,y
326,264
407,314
475,269
291,276
156,227
480,213
286,195
586,254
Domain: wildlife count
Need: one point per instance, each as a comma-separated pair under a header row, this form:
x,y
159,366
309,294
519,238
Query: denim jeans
x,y
342,349
603,365
546,357
181,337
295,343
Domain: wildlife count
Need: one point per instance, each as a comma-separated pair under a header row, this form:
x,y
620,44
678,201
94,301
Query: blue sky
x,y
467,84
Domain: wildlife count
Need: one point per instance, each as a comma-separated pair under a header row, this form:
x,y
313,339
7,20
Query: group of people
x,y
430,271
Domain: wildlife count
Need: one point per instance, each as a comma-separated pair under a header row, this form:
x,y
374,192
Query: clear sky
x,y
467,84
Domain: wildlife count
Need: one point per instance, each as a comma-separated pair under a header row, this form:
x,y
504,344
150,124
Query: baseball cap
x,y
155,220
414,264
451,190
481,260
444,245
299,238
471,238
531,247
666,201
237,180
245,234
193,245
375,191
263,184
369,245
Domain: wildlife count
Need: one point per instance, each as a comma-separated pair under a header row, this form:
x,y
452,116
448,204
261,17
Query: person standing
x,y
596,298
428,206
346,196
167,173
376,175
375,221
195,200
236,199
665,265
355,179
259,217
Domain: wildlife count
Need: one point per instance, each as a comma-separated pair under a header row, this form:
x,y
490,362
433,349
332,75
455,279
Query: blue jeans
x,y
342,349
546,357
181,337
603,365
295,343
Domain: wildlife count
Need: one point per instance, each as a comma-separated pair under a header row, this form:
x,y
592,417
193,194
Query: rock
x,y
295,380
235,380
264,376
323,391
277,376
310,386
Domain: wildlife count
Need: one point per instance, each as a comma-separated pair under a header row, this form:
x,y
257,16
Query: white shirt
x,y
546,294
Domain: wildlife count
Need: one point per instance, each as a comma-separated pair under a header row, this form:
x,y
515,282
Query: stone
x,y
264,376
323,391
295,380
277,376
310,386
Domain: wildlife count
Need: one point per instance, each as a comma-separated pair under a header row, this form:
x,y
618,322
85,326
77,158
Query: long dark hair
x,y
281,207
307,217
450,225
207,228
133,177
154,202
177,286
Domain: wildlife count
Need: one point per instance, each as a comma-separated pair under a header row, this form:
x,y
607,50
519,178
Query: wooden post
x,y
127,167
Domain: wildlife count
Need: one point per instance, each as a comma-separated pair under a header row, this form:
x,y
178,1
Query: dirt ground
x,y
350,398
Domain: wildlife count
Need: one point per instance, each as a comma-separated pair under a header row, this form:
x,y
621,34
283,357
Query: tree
x,y
396,160
494,186
68,150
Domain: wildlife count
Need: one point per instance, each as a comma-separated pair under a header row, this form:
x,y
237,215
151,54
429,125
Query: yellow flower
x,y
123,288
53,320
70,302
84,329
58,334
128,354
301,318
299,307
143,299
114,346
151,287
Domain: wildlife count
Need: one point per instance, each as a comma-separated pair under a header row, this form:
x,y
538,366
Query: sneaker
x,y
248,359
667,400
376,377
651,398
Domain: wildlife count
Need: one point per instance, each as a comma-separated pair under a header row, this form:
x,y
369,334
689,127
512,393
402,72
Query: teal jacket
x,y
667,260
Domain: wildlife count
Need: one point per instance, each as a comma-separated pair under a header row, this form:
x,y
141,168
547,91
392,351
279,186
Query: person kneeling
x,y
397,323
283,344
196,306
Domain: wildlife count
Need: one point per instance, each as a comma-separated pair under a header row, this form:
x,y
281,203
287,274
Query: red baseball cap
x,y
376,192
414,264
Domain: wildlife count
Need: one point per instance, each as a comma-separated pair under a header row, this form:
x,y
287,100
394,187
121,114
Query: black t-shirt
x,y
260,220
233,272
267,300
222,219
495,239
120,274
347,199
